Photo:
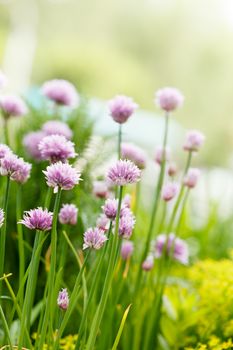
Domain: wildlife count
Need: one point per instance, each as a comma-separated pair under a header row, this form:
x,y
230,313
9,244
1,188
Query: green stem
x,y
137,200
5,126
5,326
182,212
48,198
17,307
107,283
72,304
180,196
163,217
94,286
52,271
119,141
3,231
155,204
31,283
20,241
165,261
63,250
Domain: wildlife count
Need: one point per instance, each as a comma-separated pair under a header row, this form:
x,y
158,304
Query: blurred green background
x,y
132,47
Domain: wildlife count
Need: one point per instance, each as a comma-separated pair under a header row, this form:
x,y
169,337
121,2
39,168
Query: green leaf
x,y
120,330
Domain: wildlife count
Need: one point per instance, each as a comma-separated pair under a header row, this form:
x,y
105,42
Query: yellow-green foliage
x,y
200,314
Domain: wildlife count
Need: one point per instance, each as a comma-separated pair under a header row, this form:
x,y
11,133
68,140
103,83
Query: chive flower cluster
x,y
11,165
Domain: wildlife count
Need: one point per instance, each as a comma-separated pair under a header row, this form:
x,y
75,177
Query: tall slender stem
x,y
30,288
3,231
5,126
119,141
52,271
20,241
107,283
152,332
5,326
73,301
180,196
137,200
156,201
91,292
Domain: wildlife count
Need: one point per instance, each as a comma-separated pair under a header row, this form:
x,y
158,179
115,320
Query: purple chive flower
x,y
169,191
4,150
133,153
94,238
110,208
56,147
62,92
1,217
3,80
103,222
68,214
100,189
127,248
22,174
63,299
37,219
177,246
160,154
12,106
192,177
127,201
121,108
169,99
148,264
61,175
31,142
172,169
123,172
56,127
9,164
126,224
193,141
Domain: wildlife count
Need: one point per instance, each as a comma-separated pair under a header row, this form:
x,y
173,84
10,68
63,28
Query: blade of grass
x,y
120,330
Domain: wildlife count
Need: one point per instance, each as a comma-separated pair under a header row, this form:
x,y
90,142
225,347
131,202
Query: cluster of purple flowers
x,y
68,214
123,172
170,244
61,92
11,165
121,108
134,153
63,299
37,219
12,106
51,143
56,148
61,175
